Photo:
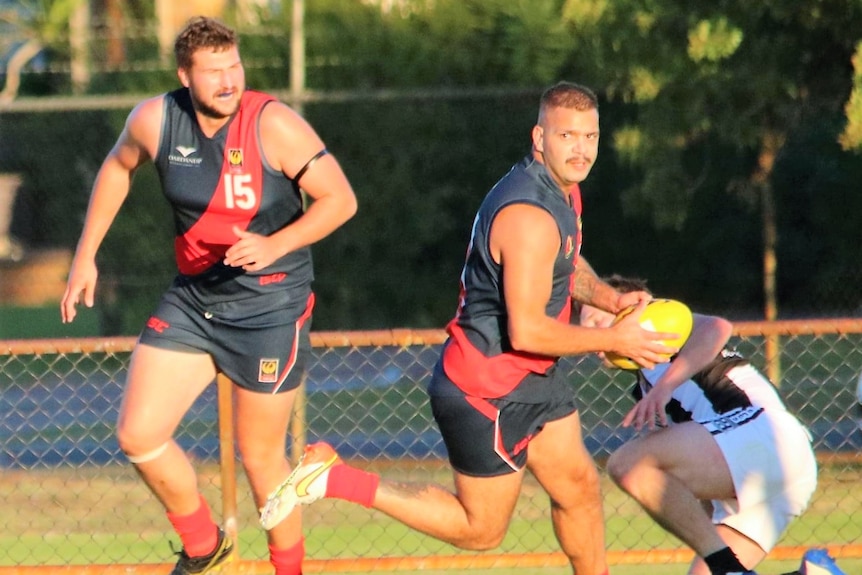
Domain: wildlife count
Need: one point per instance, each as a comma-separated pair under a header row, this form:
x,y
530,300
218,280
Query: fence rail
x,y
72,500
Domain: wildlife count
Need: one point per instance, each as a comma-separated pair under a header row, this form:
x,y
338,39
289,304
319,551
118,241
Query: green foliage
x,y
851,137
39,26
136,261
713,40
44,20
443,43
737,73
691,96
59,153
419,169
821,219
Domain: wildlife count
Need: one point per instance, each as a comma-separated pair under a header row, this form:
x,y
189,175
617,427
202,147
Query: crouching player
x,y
716,434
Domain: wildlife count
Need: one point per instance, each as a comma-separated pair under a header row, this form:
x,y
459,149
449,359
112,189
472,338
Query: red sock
x,y
288,561
352,484
197,531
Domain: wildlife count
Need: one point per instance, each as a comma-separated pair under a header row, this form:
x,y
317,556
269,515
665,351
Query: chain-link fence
x,y
70,498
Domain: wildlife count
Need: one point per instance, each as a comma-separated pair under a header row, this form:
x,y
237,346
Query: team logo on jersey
x,y
184,158
570,246
234,157
268,371
271,278
157,325
186,151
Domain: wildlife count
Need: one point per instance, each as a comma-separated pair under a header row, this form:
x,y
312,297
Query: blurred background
x,y
728,174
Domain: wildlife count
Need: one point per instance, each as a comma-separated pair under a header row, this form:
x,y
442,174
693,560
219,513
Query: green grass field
x,y
103,515
44,322
850,567
92,516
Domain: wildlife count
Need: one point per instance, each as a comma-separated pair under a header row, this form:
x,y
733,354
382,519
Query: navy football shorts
x,y
266,356
490,437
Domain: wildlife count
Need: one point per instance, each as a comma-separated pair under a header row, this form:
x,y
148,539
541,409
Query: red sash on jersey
x,y
237,197
489,377
575,195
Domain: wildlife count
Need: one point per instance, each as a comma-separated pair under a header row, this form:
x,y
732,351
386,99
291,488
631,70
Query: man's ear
x,y
537,134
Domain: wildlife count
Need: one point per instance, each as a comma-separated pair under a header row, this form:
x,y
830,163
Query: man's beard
x,y
212,112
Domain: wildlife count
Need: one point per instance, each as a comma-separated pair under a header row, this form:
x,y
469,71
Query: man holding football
x,y
715,431
496,395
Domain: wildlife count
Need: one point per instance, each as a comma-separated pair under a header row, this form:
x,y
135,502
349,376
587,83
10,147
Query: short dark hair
x,y
619,283
626,285
568,95
202,32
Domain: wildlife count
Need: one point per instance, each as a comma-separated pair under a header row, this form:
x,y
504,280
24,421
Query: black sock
x,y
724,561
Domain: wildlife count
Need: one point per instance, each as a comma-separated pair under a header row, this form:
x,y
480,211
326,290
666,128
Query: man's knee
x,y
264,467
633,472
139,445
619,467
146,456
480,539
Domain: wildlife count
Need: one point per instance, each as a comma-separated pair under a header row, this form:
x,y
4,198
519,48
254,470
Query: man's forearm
x,y
589,288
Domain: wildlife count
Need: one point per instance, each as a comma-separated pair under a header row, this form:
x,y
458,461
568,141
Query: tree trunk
x,y
116,23
19,59
79,42
769,148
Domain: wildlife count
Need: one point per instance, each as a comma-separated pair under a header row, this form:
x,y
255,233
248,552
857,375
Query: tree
x,y
706,76
851,138
41,24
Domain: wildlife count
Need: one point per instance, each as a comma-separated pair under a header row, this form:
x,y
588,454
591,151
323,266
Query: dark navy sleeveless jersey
x,y
214,184
478,356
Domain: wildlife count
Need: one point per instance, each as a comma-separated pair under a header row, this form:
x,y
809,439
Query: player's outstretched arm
x,y
708,336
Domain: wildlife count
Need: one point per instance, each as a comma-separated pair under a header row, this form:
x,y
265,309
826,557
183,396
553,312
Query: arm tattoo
x,y
584,284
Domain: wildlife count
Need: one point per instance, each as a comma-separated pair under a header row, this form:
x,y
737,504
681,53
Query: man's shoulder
x,y
270,107
279,122
518,184
250,96
146,109
144,124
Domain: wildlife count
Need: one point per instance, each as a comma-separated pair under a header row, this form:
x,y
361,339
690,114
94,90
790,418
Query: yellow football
x,y
661,315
